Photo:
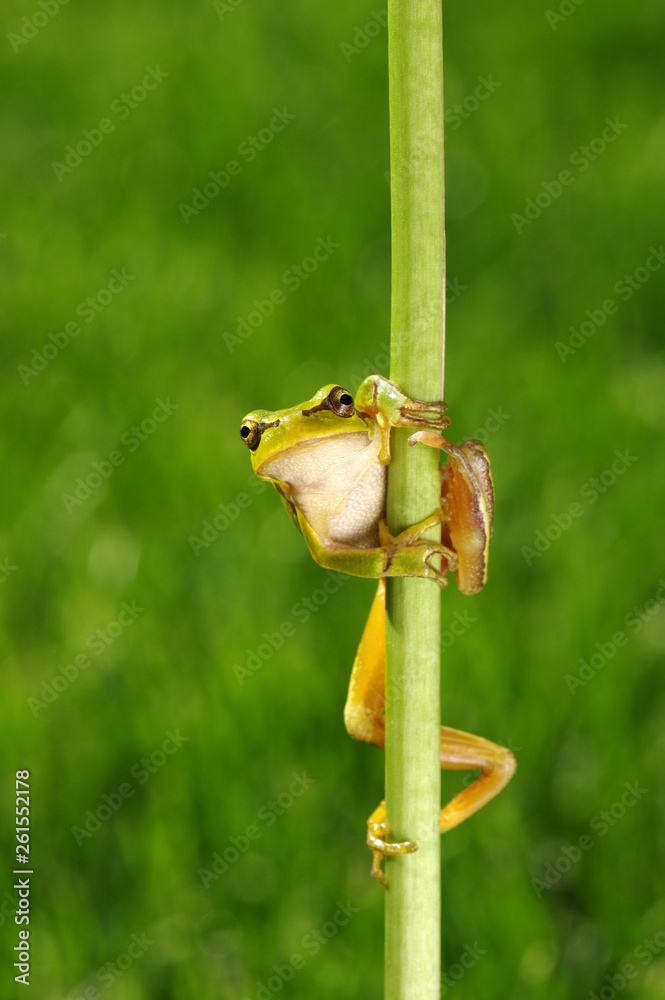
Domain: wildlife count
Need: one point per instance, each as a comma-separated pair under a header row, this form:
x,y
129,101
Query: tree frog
x,y
327,459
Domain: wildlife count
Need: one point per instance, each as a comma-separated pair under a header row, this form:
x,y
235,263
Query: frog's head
x,y
269,435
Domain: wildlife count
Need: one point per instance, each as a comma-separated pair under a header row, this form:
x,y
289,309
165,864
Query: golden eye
x,y
341,402
250,432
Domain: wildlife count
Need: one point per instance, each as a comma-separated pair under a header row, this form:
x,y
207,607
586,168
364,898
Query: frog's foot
x,y
377,832
406,555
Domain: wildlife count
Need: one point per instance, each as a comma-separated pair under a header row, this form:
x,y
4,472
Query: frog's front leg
x,y
387,406
396,555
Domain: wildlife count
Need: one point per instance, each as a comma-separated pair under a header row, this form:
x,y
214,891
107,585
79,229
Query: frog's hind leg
x,y
364,718
363,712
466,752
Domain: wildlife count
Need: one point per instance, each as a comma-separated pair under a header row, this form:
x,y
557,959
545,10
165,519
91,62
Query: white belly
x,y
338,484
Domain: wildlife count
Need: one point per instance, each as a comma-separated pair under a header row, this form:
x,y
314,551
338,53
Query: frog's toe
x,y
436,574
377,832
436,553
416,414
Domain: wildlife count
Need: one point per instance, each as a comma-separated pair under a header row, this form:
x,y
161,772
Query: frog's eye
x,y
250,432
341,402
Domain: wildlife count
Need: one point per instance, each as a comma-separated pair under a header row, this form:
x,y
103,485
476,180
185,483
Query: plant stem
x,y
413,781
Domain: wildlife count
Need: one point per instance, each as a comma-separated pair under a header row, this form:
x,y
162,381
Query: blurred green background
x,y
541,915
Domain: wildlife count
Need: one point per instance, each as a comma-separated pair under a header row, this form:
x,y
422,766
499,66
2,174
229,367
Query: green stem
x,y
413,777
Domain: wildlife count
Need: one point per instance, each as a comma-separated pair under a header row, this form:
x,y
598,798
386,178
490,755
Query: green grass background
x,y
163,337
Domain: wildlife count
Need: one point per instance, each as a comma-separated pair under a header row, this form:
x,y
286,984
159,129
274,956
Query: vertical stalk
x,y
413,782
